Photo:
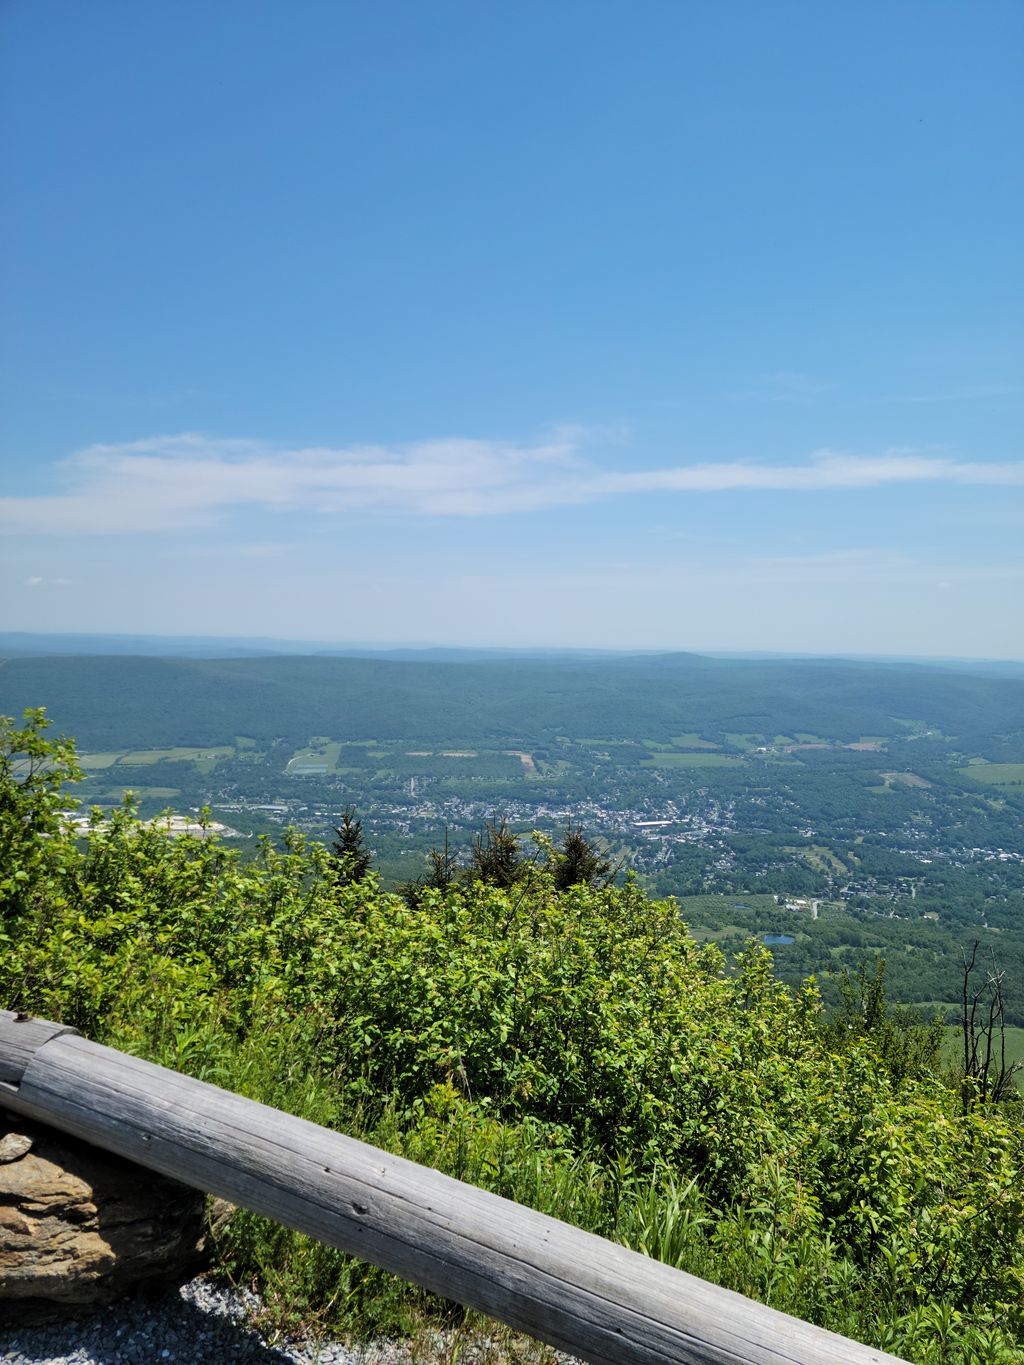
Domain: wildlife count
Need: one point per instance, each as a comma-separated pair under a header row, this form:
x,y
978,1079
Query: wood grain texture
x,y
569,1288
20,1036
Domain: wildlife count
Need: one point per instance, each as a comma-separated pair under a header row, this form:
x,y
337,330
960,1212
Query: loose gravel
x,y
200,1324
204,1323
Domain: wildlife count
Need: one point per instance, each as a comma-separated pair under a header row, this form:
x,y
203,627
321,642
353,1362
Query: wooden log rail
x,y
566,1287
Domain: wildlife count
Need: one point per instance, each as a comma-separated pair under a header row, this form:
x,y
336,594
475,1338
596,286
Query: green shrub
x,y
574,1050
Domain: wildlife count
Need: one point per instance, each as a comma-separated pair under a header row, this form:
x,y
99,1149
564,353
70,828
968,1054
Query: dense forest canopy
x,y
106,700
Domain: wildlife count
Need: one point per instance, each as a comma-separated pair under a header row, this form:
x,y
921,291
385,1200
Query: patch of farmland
x,y
996,774
905,779
953,1049
182,754
744,741
92,762
315,760
673,759
692,740
822,859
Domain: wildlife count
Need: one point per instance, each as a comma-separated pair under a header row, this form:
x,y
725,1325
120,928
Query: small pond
x,y
779,938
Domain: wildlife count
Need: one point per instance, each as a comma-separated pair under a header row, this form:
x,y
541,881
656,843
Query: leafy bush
x,y
575,1050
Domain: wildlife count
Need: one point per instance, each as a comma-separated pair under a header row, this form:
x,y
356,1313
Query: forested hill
x,y
109,700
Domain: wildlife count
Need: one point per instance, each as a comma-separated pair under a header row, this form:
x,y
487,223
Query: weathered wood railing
x,y
566,1287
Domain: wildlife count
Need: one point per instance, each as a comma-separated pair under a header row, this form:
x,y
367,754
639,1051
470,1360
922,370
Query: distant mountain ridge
x,y
147,701
14,644
19,643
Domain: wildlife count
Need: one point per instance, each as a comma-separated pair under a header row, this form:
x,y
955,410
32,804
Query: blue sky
x,y
672,324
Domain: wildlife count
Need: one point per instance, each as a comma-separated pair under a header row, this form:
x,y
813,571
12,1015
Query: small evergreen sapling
x,y
496,856
348,852
578,862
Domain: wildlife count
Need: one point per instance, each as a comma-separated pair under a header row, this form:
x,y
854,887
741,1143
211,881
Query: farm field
x,y
180,754
141,793
743,741
319,758
99,761
1014,1047
821,859
996,774
671,758
142,758
699,909
907,779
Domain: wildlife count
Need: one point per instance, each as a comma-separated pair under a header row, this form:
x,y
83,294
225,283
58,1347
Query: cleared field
x,y
905,779
953,1049
94,761
141,757
693,741
319,758
743,741
719,935
717,908
996,774
672,759
820,858
529,767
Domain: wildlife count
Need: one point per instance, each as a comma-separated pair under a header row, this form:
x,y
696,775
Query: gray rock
x,y
14,1145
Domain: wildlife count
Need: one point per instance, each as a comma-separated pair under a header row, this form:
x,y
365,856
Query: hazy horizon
x,y
301,646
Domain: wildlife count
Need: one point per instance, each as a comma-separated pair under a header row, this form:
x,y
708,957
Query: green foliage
x,y
908,1047
109,701
986,1074
575,1050
443,872
351,859
497,859
33,773
578,862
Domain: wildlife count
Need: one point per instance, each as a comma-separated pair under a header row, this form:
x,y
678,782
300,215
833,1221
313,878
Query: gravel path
x,y
200,1324
206,1324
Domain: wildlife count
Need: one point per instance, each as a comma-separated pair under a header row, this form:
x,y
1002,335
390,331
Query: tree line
x,y
497,859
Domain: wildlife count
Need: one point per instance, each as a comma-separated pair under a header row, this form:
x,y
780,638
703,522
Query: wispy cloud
x,y
826,469
191,480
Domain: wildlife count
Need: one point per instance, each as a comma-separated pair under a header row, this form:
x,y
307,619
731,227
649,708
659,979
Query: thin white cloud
x,y
825,470
190,480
